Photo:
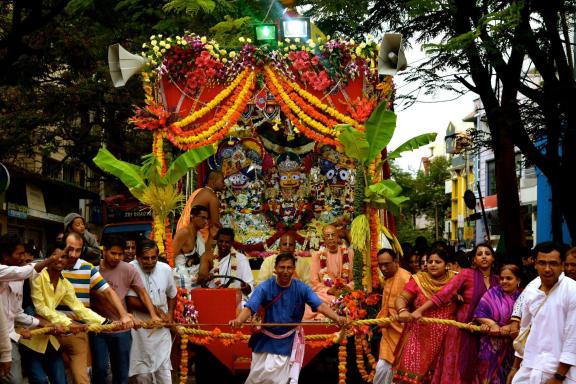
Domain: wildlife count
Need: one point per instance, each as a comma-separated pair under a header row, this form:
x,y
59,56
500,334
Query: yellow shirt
x,y
46,299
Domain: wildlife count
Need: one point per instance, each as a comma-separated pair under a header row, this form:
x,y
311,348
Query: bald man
x,y
287,244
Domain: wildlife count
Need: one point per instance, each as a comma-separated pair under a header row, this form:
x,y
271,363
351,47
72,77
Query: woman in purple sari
x,y
460,351
493,313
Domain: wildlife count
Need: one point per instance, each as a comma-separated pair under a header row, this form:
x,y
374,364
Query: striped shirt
x,y
84,278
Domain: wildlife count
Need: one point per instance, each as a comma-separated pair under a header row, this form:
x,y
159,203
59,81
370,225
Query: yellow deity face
x,y
290,179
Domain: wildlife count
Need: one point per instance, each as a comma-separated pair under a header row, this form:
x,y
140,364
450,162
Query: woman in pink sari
x,y
460,351
493,313
418,350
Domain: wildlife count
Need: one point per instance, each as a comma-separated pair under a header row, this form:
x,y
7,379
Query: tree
x,y
481,47
55,89
427,198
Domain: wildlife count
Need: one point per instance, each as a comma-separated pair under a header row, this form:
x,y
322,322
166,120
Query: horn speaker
x,y
391,58
123,64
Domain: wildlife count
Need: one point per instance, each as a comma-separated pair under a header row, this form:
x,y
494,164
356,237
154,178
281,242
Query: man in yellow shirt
x,y
49,290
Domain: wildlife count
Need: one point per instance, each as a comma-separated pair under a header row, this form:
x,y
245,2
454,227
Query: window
x,y
490,178
51,168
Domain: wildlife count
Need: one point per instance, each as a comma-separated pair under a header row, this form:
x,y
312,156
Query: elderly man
x,y
331,266
287,244
277,352
395,278
112,348
549,309
150,353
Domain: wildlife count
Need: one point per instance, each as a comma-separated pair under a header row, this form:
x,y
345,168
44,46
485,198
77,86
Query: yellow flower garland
x,y
223,122
325,107
301,114
195,115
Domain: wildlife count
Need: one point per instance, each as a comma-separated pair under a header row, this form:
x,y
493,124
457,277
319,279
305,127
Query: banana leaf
x,y
385,194
412,144
185,162
355,144
129,174
380,127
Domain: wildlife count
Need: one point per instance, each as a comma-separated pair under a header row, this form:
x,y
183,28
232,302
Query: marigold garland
x,y
325,107
183,359
292,105
195,115
363,348
217,128
304,104
342,355
301,127
373,219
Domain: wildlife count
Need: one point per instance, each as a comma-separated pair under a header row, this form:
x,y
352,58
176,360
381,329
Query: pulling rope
x,y
192,329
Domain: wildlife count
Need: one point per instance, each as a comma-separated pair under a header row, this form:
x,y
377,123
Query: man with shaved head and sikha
x,y
287,244
331,266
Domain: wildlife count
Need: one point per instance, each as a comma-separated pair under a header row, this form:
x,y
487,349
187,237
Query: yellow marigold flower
x,y
154,42
203,39
241,39
293,47
297,40
222,51
232,54
352,42
224,60
249,40
311,44
209,47
358,50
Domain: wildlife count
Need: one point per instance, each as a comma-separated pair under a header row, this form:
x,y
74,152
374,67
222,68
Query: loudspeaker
x,y
391,58
123,64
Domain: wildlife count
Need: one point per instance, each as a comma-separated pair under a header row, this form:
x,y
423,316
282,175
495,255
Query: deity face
x,y
290,179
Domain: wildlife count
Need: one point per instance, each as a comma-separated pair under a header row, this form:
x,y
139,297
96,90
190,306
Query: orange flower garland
x,y
217,128
195,115
183,359
290,103
362,347
310,111
325,107
342,355
373,219
301,127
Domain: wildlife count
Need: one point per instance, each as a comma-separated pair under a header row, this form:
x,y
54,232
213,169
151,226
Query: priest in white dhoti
x,y
278,352
150,352
549,309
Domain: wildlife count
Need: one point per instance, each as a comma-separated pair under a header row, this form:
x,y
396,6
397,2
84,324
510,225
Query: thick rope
x,y
192,329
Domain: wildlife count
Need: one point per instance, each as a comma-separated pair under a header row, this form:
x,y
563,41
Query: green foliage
x,y
386,194
190,7
230,30
380,128
412,144
355,143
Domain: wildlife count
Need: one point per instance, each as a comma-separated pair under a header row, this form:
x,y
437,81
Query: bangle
x,y
402,310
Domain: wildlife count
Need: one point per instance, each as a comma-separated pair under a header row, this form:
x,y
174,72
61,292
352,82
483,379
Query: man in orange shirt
x,y
395,278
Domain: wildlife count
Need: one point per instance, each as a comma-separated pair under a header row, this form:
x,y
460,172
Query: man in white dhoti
x,y
549,309
150,353
277,352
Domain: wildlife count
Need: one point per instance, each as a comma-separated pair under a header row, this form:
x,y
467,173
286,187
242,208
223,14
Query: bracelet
x,y
402,310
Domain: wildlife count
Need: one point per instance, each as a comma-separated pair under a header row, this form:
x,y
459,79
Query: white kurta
x,y
243,271
151,348
552,338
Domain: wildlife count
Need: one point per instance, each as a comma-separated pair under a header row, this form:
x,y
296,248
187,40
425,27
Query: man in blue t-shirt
x,y
277,352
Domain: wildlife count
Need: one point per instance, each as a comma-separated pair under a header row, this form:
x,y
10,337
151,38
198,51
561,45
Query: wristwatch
x,y
559,376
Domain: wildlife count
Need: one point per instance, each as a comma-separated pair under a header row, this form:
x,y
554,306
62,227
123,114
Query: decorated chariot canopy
x,y
272,113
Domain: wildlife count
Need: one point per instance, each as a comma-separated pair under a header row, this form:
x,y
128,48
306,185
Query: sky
x,y
429,114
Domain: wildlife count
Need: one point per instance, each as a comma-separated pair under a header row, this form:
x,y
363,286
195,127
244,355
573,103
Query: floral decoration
x,y
184,311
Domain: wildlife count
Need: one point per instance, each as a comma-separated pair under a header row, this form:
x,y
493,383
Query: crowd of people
x,y
526,314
